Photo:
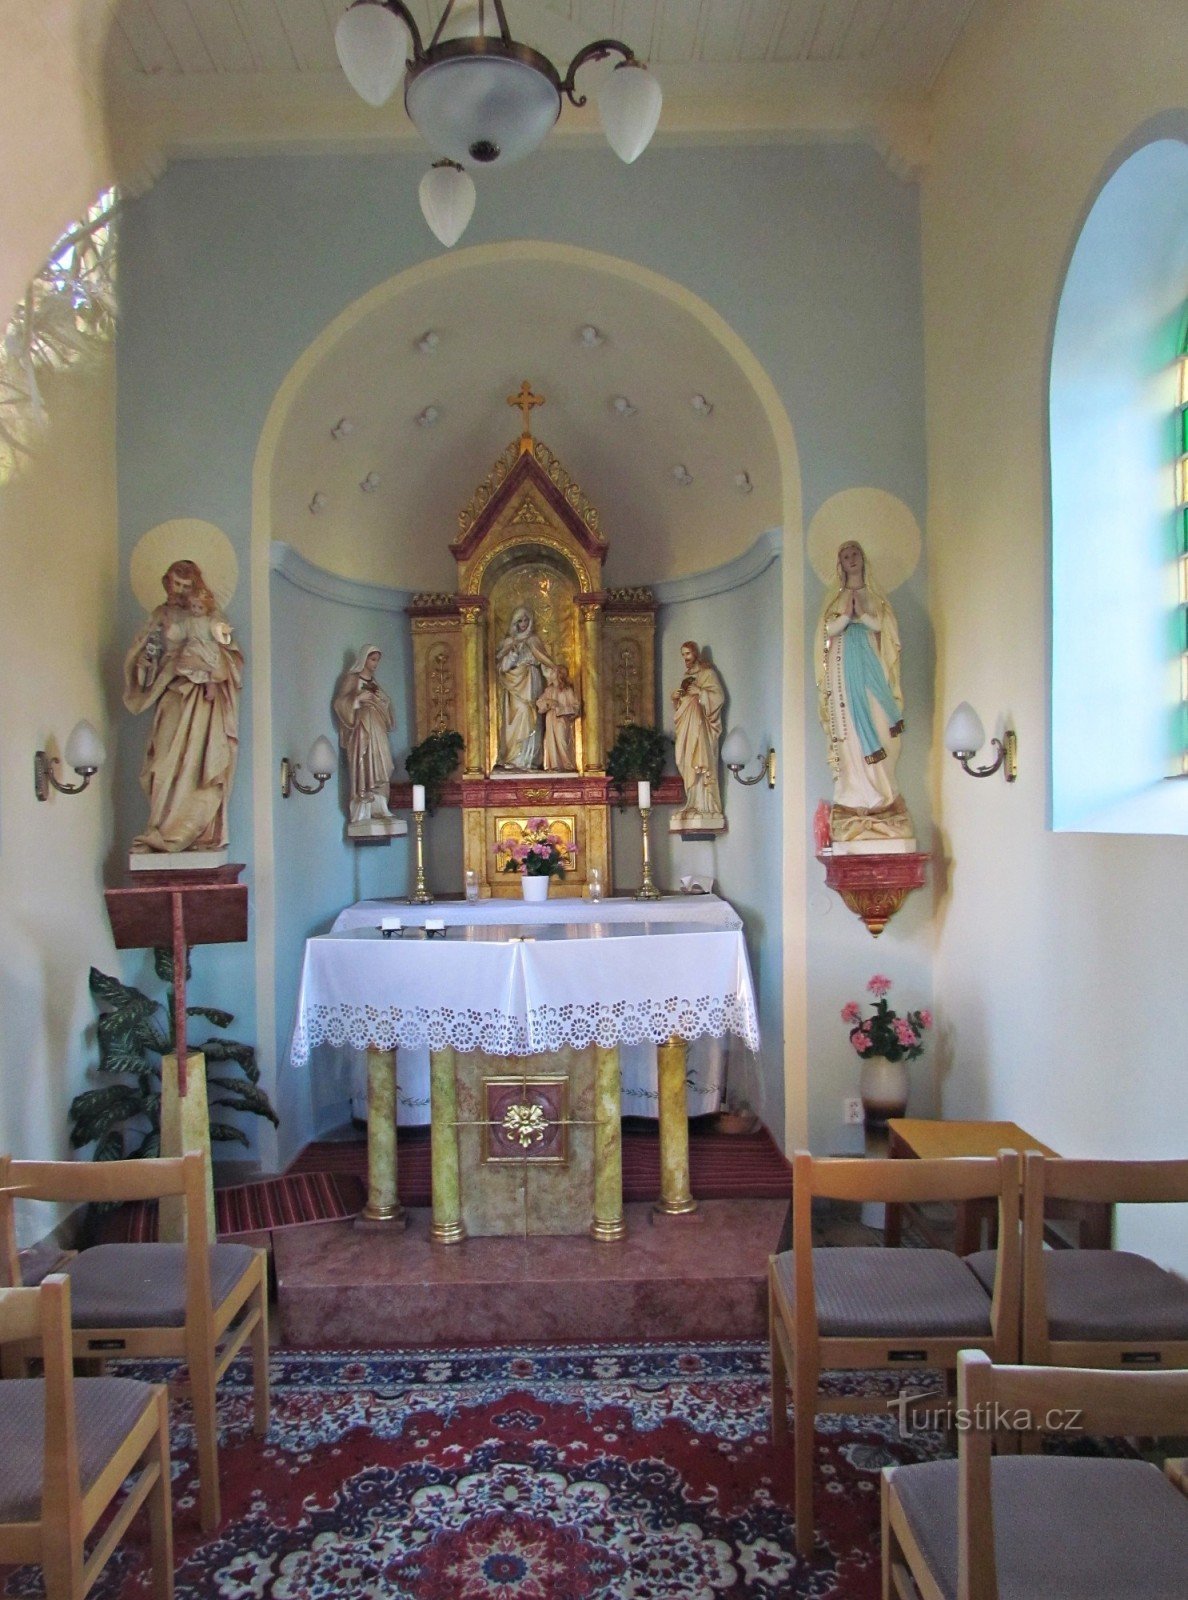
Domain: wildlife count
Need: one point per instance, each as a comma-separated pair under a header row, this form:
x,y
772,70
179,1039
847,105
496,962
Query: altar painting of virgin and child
x,y
537,706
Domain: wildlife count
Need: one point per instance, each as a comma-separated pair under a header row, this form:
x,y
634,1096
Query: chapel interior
x,y
910,273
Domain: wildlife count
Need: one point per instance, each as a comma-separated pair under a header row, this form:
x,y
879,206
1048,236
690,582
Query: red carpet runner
x,y
722,1166
327,1182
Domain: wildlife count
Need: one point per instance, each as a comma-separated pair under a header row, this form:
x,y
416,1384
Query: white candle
x,y
418,797
645,795
390,924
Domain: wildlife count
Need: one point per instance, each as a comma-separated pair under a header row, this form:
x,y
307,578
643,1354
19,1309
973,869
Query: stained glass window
x,y
67,310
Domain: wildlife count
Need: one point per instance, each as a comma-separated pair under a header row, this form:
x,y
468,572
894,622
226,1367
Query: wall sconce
x,y
84,752
965,736
736,752
322,761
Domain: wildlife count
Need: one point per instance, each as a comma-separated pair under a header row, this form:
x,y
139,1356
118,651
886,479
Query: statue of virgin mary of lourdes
x,y
860,702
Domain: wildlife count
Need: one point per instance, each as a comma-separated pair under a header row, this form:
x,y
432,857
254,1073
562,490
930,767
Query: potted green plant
x,y
637,752
123,1118
433,761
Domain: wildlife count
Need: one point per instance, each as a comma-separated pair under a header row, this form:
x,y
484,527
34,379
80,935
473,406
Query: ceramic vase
x,y
535,889
884,1089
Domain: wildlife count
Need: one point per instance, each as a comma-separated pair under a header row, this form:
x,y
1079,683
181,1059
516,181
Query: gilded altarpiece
x,y
535,664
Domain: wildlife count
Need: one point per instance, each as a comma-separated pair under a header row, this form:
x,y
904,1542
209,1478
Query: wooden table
x,y
929,1139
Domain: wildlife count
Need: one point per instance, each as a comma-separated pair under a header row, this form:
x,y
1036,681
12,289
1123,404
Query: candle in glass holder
x,y
645,795
418,797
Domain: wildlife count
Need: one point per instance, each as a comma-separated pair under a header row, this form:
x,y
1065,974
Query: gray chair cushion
x,y
106,1410
1064,1528
984,1264
1111,1294
144,1285
866,1292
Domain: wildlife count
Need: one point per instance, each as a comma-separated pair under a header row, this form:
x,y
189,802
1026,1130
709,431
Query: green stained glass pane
x,y
1184,430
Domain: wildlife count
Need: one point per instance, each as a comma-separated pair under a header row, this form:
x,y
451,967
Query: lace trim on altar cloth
x,y
546,1028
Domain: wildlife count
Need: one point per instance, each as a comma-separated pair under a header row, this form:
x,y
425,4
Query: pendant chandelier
x,y
479,98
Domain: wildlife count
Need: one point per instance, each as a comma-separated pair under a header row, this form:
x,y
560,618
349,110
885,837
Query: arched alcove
x,y
395,315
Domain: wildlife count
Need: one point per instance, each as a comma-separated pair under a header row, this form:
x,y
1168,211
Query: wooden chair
x,y
66,1446
1100,1308
197,1302
1026,1527
837,1309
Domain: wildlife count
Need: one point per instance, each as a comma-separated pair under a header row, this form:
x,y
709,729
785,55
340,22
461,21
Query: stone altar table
x,y
524,989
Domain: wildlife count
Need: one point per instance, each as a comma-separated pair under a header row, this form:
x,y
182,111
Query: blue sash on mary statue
x,y
864,676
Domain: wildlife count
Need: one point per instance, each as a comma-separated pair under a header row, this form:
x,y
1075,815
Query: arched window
x,y
1119,580
69,305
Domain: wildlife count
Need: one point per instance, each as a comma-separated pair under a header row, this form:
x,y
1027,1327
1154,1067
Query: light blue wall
x,y
231,268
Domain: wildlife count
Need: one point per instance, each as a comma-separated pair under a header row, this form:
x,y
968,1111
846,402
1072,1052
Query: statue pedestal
x,y
378,828
874,886
185,1126
177,861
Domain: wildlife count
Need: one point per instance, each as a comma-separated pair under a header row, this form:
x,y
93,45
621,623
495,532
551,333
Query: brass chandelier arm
x,y
597,51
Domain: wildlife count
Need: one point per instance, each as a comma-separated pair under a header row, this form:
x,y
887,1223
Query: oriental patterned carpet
x,y
591,1473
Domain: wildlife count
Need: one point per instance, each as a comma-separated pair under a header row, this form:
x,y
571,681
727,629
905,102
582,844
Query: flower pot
x,y
535,889
884,1090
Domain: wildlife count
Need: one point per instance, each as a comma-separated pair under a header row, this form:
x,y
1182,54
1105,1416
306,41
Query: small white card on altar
x,y
390,925
435,928
691,884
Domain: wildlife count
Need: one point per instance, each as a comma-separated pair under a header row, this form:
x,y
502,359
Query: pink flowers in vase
x,y
540,853
884,1033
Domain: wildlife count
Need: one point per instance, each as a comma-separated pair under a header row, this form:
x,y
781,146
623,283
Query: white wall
x,y
1059,970
57,655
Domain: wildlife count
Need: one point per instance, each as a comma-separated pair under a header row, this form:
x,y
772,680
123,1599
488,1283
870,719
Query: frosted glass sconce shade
x,y
736,752
965,736
321,762
85,752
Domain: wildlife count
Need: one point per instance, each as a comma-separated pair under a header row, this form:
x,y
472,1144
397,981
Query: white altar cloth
x,y
511,979
708,908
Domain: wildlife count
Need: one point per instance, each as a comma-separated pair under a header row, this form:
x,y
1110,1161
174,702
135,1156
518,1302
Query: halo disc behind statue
x,y
183,539
880,522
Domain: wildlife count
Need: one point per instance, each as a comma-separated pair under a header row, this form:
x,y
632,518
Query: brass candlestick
x,y
421,896
649,890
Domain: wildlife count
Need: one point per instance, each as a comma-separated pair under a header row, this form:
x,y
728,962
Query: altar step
x,y
696,1277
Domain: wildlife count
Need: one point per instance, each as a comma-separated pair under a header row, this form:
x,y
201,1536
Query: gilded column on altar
x,y
608,1221
676,1195
592,684
474,669
446,1227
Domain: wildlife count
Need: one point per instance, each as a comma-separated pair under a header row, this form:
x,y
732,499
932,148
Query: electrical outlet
x,y
852,1109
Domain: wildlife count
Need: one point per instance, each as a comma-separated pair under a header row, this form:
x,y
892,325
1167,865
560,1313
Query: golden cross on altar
x,y
526,401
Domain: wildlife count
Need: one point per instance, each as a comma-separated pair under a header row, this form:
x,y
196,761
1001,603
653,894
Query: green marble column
x,y
446,1227
382,1208
676,1197
185,1126
608,1221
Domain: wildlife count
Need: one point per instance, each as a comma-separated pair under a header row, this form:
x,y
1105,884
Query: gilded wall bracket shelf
x,y
875,886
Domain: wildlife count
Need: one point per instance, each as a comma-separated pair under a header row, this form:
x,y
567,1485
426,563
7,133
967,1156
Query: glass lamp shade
x,y
373,45
964,733
84,751
323,758
629,105
447,200
736,748
484,109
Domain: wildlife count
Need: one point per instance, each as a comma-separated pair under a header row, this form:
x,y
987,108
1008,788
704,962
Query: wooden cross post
x,y
526,402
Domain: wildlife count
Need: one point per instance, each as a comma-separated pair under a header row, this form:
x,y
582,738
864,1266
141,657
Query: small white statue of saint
x,y
561,708
697,719
365,718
